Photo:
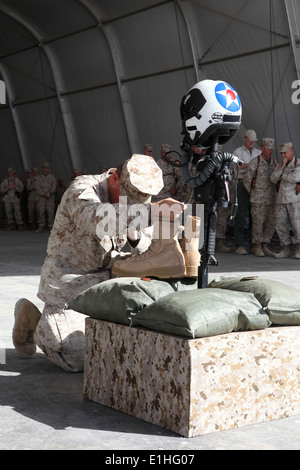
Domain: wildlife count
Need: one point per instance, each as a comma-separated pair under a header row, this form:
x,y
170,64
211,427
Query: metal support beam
x,y
293,15
16,119
195,47
66,114
129,119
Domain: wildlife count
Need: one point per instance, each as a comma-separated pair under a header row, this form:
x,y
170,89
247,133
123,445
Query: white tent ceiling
x,y
88,82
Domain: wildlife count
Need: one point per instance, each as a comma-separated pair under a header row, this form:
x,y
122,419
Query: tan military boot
x,y
284,253
240,250
267,250
221,247
163,259
297,252
27,316
257,250
190,246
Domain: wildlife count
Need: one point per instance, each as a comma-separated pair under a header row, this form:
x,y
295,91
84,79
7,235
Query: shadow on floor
x,y
41,391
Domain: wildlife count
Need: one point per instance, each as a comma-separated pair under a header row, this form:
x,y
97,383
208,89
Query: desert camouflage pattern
x,y
286,146
60,334
288,202
287,215
263,222
32,198
74,252
264,191
76,260
46,205
141,178
193,387
11,199
290,176
185,193
225,212
262,197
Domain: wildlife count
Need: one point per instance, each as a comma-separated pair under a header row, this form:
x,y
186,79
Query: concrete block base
x,y
194,386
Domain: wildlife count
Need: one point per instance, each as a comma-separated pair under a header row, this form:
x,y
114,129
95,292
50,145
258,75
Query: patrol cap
x,y
251,135
268,143
35,168
46,165
10,170
148,147
140,179
285,147
165,148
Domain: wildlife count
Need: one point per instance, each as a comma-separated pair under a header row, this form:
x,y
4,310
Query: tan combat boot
x,y
240,250
190,246
284,253
297,252
257,250
267,250
221,247
27,316
163,259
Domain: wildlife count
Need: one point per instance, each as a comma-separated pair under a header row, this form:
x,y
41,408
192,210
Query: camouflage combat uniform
x,y
171,175
288,202
77,258
262,198
11,199
185,193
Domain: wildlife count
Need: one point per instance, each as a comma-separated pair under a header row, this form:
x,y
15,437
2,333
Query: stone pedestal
x,y
194,386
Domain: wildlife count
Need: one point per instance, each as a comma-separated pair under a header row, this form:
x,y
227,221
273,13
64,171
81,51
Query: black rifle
x,y
210,189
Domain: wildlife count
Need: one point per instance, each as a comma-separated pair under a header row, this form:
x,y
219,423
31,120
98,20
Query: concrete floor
x,y
41,406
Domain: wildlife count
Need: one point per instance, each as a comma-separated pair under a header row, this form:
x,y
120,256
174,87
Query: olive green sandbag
x,y
203,312
116,299
281,302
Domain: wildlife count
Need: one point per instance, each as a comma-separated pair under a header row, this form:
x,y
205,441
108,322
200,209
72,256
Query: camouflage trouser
x,y
13,208
60,333
263,222
223,216
32,207
286,215
44,206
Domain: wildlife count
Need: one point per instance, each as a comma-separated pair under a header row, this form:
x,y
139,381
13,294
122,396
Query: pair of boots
x,y
165,258
286,252
262,249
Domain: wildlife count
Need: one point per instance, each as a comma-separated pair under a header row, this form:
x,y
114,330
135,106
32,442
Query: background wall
x,y
88,82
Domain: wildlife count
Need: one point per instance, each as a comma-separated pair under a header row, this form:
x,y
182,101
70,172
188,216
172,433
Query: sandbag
x,y
281,302
116,299
203,312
